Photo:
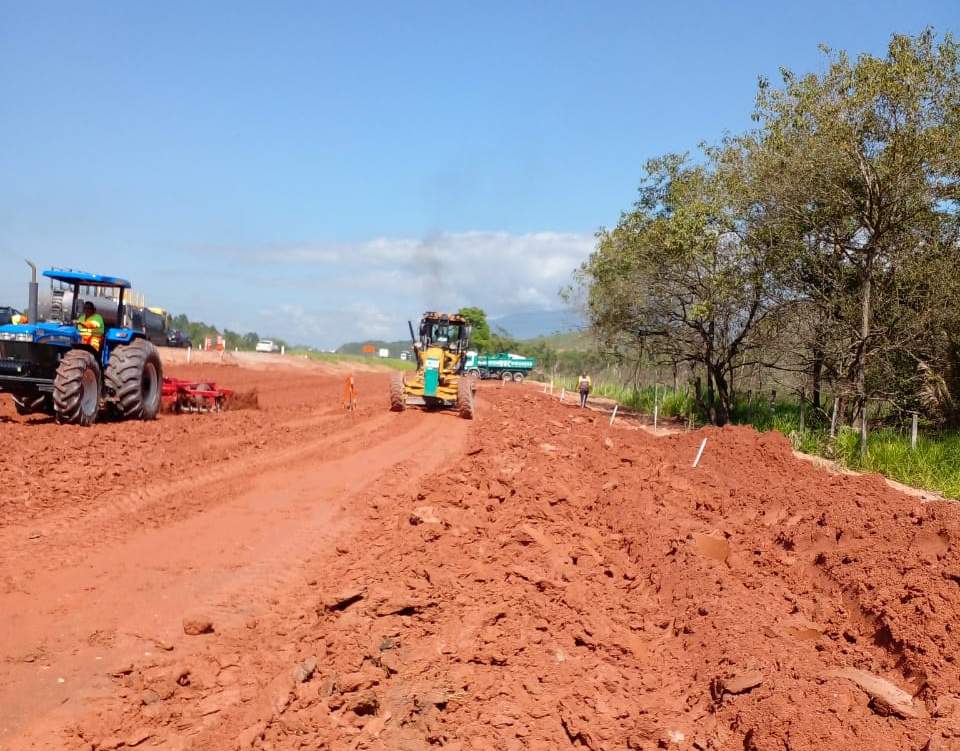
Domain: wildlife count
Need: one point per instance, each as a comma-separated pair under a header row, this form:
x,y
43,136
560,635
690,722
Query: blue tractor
x,y
50,367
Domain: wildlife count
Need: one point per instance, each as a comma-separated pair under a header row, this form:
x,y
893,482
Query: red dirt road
x,y
531,580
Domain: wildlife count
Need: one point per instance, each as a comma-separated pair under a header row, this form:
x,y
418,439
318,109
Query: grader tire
x,y
76,389
134,379
465,398
398,399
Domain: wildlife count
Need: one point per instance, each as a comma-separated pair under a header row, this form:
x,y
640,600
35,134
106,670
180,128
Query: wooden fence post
x,y
913,433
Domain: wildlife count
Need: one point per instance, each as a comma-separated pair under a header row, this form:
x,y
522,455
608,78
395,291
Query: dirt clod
x,y
195,625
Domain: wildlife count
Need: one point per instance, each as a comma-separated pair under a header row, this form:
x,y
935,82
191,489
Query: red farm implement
x,y
193,396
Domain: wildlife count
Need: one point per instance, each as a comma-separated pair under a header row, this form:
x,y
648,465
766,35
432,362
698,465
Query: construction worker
x,y
349,394
583,384
90,325
19,318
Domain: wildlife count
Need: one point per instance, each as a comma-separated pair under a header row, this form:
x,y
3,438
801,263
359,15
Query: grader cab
x,y
440,381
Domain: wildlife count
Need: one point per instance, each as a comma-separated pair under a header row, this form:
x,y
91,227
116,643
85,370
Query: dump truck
x,y
440,381
503,365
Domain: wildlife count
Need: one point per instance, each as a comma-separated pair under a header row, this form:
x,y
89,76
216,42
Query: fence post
x,y
913,433
803,397
614,415
563,393
655,410
703,445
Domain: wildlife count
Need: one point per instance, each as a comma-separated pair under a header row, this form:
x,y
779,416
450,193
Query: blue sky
x,y
292,167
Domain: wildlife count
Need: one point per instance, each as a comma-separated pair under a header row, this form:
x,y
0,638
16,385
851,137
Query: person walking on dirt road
x,y
583,383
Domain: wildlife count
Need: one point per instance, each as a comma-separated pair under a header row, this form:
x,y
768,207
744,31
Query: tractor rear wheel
x,y
76,388
465,398
31,405
133,380
398,399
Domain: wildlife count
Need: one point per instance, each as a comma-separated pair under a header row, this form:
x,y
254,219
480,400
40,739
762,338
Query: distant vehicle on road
x,y
6,314
267,345
177,338
153,321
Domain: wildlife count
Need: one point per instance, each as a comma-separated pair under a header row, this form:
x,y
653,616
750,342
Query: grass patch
x,y
672,403
334,357
933,465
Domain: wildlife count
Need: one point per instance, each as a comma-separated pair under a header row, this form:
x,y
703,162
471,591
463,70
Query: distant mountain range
x,y
526,325
533,323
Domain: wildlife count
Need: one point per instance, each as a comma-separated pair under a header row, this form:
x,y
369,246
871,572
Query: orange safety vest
x,y
91,330
349,393
18,319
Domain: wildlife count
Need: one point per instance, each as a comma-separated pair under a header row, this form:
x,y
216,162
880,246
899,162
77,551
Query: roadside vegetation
x,y
335,357
233,340
808,266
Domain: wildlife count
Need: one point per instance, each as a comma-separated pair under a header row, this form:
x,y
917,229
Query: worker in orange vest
x,y
349,394
91,326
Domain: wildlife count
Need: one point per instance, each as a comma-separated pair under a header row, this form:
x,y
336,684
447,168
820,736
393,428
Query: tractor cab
x,y
449,332
69,290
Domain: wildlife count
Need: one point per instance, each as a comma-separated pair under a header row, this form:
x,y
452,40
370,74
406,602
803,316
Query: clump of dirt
x,y
565,584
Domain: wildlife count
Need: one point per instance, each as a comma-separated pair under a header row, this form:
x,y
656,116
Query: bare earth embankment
x,y
531,580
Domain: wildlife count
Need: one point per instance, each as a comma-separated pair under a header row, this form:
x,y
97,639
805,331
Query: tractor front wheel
x,y
76,388
398,399
133,380
465,398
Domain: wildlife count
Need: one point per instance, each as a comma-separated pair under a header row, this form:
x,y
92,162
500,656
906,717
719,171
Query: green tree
x,y
683,275
480,337
859,169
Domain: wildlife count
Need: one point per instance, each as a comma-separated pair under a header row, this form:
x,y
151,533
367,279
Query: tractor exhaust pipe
x,y
32,304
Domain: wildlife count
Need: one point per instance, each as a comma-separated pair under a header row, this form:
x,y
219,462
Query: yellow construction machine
x,y
441,354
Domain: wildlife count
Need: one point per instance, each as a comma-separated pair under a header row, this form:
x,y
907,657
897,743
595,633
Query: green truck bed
x,y
504,365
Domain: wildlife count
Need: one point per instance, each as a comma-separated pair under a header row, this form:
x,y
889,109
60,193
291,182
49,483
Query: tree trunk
x,y
864,336
721,399
818,359
711,395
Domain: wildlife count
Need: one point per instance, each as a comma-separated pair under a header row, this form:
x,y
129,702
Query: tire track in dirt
x,y
567,584
240,541
160,503
572,585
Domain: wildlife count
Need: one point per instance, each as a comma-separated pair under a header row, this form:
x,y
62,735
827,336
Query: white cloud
x,y
328,294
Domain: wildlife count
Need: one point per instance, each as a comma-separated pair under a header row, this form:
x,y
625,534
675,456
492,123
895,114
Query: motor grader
x,y
440,381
